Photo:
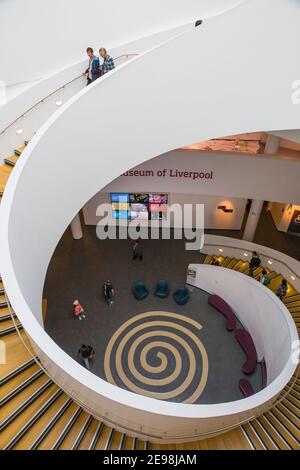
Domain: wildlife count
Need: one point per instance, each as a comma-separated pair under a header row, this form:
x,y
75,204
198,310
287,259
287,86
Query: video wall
x,y
131,206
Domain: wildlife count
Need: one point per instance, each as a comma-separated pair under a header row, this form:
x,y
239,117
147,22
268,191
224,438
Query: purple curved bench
x,y
246,388
219,304
246,342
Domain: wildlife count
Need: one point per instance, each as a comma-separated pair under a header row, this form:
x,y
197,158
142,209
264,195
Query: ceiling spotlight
x,y
293,278
58,102
221,251
270,262
19,131
246,254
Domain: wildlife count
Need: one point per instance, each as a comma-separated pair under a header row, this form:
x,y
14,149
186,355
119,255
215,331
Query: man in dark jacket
x,y
93,71
254,263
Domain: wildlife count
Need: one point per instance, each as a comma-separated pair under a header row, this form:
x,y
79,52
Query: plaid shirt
x,y
108,64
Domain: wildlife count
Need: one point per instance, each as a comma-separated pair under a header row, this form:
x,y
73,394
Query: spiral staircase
x,y
35,413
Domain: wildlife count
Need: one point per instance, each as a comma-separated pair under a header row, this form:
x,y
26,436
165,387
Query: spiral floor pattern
x,y
160,355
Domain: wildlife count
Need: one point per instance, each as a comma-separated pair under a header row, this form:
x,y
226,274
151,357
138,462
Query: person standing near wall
x,y
137,251
264,278
86,353
254,263
282,289
93,71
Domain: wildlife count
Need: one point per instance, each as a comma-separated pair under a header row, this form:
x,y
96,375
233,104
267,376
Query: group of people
x,y
86,352
98,67
264,277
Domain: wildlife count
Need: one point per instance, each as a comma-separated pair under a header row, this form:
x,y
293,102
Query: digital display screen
x,y
119,197
121,215
120,206
139,206
142,198
158,198
158,207
134,215
159,216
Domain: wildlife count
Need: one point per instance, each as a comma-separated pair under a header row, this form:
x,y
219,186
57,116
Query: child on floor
x,y
78,310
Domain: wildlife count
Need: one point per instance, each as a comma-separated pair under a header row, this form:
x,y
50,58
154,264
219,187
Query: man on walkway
x,y
108,61
93,71
254,263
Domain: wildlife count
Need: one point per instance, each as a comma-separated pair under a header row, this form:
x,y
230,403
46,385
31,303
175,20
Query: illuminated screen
x,y
139,206
119,197
158,207
159,215
158,198
120,206
121,215
142,198
134,215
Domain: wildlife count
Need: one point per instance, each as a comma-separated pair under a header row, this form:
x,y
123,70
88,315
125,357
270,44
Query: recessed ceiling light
x,y
19,131
221,251
270,262
58,102
293,278
246,254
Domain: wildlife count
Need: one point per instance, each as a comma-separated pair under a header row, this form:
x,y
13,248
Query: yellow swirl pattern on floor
x,y
175,331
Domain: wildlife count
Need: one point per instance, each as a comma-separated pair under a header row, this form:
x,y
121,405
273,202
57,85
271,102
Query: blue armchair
x,y
139,290
162,289
181,295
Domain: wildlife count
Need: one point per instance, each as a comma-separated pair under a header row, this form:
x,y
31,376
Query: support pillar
x,y
253,219
272,145
76,228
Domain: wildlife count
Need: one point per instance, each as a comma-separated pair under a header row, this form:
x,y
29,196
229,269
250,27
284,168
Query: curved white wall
x,y
136,109
27,29
235,248
259,310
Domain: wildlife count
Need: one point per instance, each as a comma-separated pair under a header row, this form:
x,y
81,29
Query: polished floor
x,y
152,347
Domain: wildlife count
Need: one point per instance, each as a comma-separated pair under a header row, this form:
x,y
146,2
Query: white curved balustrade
x,y
143,109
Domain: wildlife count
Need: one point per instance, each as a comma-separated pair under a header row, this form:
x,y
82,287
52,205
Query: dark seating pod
x,y
181,295
162,289
246,342
139,290
219,304
246,388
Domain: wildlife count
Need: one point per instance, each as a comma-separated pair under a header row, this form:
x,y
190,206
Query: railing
x,y
140,432
269,257
126,56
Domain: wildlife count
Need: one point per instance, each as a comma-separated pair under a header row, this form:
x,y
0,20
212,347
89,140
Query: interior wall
x,y
282,215
47,35
271,316
213,218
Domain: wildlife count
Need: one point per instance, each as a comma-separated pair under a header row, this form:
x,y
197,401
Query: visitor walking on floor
x,y
108,291
78,310
137,251
86,353
282,289
254,263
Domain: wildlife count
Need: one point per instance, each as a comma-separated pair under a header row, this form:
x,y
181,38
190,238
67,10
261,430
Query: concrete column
x,y
253,218
76,228
272,145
